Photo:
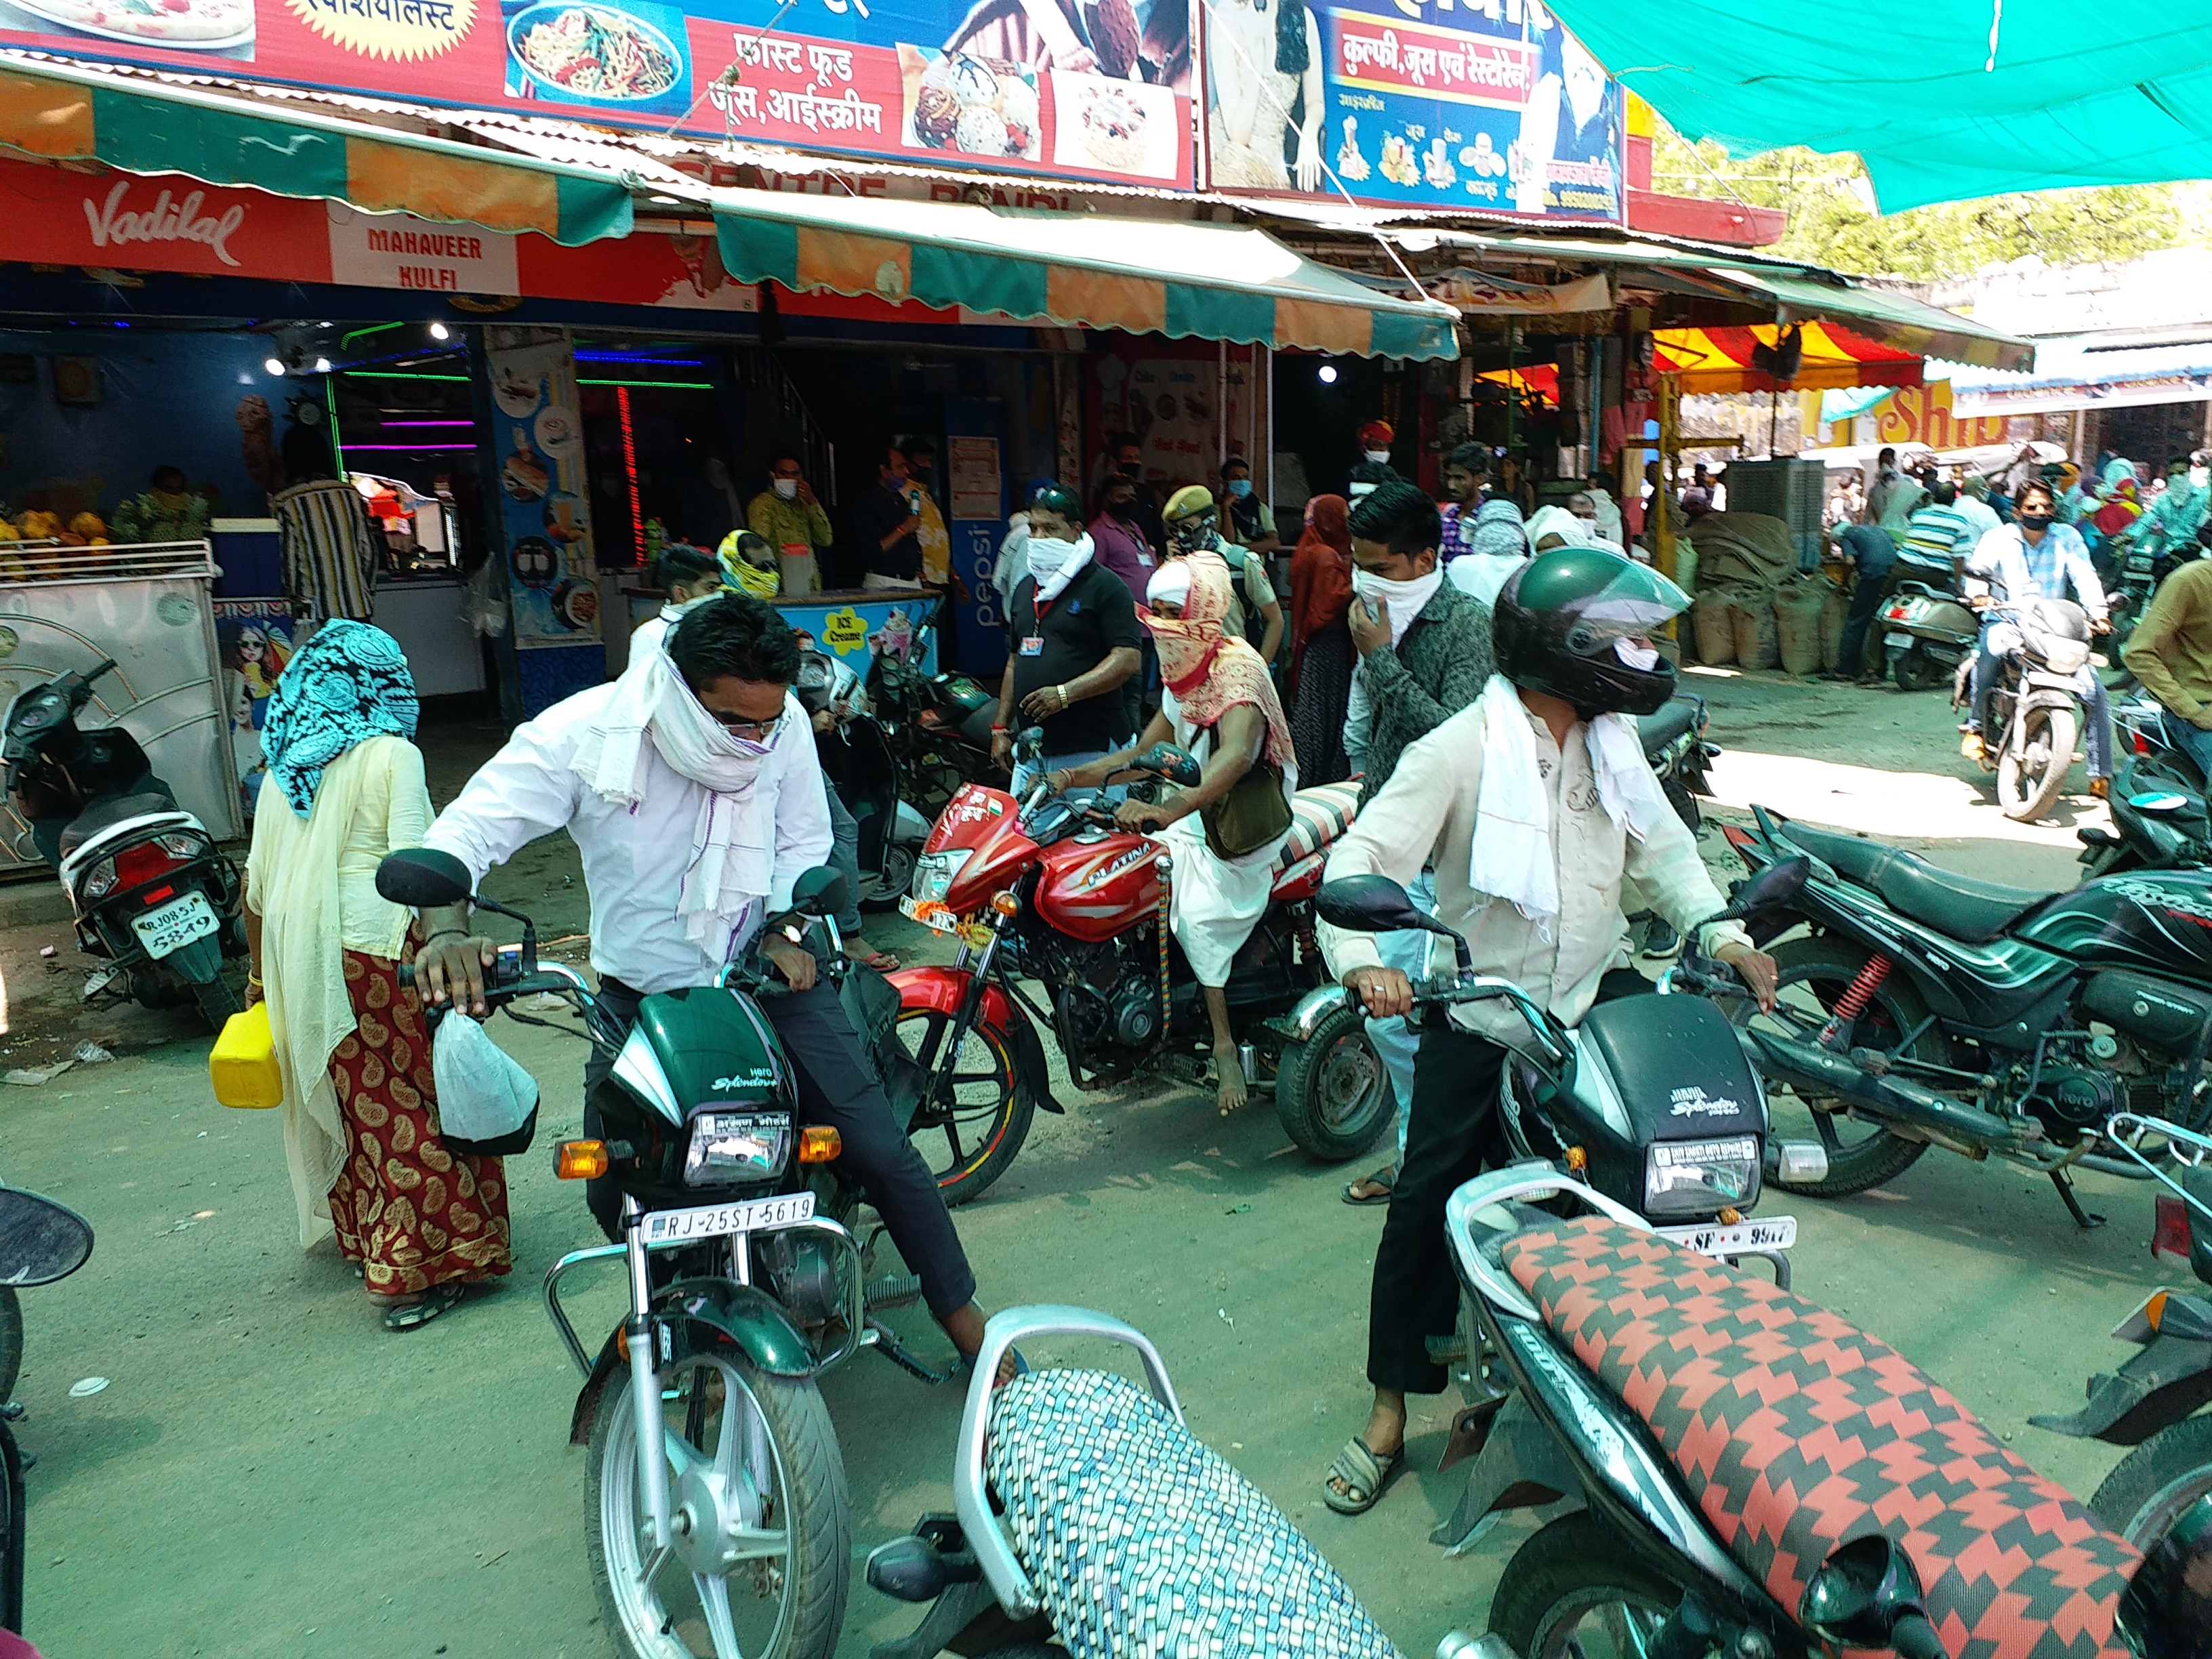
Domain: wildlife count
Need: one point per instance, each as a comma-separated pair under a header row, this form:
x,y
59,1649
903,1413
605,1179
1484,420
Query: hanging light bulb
x,y
1326,373
439,331
322,365
274,365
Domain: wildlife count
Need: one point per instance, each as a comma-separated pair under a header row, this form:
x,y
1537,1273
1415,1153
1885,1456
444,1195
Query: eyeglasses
x,y
752,731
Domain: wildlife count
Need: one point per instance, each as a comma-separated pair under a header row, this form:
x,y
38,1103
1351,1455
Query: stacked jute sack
x,y
1752,607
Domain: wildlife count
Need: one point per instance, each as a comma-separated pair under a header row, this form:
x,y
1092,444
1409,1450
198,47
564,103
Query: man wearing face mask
x,y
1125,459
1533,805
1251,524
791,520
1424,652
1255,616
1376,439
2173,519
691,787
1076,642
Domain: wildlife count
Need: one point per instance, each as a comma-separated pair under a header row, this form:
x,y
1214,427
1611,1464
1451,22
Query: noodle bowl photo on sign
x,y
599,54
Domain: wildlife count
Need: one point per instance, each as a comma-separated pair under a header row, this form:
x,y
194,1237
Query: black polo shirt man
x,y
885,523
1076,639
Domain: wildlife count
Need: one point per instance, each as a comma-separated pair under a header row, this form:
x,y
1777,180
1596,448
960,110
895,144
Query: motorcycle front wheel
x,y
2031,773
1331,1092
2157,1483
1576,1589
968,1141
764,1531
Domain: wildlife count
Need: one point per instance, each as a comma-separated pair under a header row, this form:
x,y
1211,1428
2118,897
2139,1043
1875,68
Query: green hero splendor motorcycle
x,y
734,1541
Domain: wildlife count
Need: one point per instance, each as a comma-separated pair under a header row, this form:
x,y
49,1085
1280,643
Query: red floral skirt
x,y
413,1213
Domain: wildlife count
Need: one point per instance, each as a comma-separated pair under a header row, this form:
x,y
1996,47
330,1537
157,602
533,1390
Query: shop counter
x,y
425,616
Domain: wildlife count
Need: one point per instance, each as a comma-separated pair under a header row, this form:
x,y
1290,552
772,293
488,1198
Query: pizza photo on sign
x,y
190,25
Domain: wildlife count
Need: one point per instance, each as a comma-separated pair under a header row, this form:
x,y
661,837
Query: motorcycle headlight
x,y
1696,1177
729,1147
933,873
2065,656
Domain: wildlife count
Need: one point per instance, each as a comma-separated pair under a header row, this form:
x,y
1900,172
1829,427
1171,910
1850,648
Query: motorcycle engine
x,y
2084,1078
1106,995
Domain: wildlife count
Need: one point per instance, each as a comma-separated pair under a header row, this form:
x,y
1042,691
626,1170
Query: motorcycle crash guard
x,y
944,989
702,1314
2169,1379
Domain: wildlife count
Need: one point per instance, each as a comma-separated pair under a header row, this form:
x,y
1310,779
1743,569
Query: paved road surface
x,y
268,1473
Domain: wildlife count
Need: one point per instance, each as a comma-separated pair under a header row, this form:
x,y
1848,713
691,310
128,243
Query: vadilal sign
x,y
1922,415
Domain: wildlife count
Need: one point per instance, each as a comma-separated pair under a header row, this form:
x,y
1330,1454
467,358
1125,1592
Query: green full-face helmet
x,y
1576,623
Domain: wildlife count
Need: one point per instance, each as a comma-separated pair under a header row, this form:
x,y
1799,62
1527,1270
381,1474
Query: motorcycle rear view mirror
x,y
1376,905
1866,1595
819,892
1777,884
1176,765
39,1240
424,878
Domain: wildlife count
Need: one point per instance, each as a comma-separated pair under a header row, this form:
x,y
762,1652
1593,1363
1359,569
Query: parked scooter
x,y
151,892
2030,716
1089,1519
1084,905
1927,1009
858,764
1721,1467
1927,633
938,725
736,1523
40,1242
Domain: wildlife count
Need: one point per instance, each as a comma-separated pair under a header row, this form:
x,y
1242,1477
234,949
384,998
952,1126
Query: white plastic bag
x,y
486,1103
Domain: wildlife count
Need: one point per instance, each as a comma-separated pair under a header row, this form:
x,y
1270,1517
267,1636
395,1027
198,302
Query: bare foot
x,y
1229,1069
884,962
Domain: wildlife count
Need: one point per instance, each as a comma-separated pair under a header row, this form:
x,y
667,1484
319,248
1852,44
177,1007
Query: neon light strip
x,y
398,374
629,469
331,401
673,385
415,424
656,363
411,449
363,333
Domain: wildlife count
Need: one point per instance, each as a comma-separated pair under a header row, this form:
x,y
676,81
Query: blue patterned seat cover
x,y
1142,1542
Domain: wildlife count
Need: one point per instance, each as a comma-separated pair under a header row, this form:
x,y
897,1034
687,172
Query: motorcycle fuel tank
x,y
1097,886
2160,920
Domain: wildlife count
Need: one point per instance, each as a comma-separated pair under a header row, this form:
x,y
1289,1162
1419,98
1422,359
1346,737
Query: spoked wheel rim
x,y
957,1142
1803,1004
2166,1506
729,1589
1346,1080
1599,1622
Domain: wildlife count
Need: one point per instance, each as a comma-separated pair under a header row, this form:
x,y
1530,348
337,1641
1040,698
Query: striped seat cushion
x,y
1318,817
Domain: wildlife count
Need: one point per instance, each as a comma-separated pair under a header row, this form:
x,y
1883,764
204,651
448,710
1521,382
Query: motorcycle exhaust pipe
x,y
1907,1102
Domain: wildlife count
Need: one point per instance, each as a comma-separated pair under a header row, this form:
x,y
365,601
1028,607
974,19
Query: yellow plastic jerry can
x,y
242,1065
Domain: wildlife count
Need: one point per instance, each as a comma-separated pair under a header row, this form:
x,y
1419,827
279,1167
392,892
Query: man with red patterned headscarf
x,y
1218,702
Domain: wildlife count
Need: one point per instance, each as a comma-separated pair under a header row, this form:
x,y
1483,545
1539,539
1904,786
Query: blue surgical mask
x,y
1240,487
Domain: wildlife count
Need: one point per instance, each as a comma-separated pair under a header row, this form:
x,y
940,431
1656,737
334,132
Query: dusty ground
x,y
268,1473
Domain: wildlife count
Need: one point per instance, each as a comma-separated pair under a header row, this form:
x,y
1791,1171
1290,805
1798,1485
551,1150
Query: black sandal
x,y
413,1315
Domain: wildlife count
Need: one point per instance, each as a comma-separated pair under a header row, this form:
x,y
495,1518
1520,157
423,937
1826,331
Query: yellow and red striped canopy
x,y
1719,358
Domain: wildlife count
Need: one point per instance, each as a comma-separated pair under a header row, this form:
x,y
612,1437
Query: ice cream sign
x,y
1379,56
397,250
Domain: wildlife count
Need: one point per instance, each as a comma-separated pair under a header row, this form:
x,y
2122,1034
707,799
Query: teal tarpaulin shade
x,y
1946,99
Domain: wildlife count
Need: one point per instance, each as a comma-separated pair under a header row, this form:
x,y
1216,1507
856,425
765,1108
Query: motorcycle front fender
x,y
702,1314
945,991
2170,1379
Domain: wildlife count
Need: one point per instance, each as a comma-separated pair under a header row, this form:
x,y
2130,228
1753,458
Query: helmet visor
x,y
1635,604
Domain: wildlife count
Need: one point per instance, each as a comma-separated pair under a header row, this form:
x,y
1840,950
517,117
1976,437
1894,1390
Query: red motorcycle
x,y
1062,921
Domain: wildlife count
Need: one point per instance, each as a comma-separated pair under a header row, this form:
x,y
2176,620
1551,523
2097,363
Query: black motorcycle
x,y
151,892
1925,1009
40,1242
1721,1469
2159,819
938,726
746,1285
858,762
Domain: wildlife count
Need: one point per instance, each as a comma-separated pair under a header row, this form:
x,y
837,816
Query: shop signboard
x,y
537,455
1923,415
254,638
1490,106
1025,86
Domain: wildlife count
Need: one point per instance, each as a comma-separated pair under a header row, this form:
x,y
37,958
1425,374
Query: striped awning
x,y
1719,358
65,112
1187,281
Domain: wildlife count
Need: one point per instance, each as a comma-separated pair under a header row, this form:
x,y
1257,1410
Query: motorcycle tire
x,y
1915,671
2026,794
976,1146
1575,1569
218,1003
1331,1092
813,1505
11,1342
1831,965
2155,1485
895,880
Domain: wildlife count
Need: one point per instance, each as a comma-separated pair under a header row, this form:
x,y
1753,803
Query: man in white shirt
x,y
1546,769
692,788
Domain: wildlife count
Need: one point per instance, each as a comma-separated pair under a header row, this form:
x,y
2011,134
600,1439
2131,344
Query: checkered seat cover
x,y
1142,1542
1795,1432
1318,817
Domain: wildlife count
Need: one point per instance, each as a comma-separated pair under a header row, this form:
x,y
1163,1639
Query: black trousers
x,y
837,1086
1452,1136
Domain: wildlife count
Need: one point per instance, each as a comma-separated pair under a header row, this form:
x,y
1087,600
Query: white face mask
x,y
1644,658
787,487
1376,454
2199,477
1405,599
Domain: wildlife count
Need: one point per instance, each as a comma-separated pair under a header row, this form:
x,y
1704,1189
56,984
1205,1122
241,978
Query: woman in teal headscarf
x,y
361,1127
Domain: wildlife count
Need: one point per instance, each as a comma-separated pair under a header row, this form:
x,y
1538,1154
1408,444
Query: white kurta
x,y
1212,902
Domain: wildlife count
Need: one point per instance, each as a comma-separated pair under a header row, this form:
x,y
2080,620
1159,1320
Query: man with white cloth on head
x,y
1534,803
692,788
1218,703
